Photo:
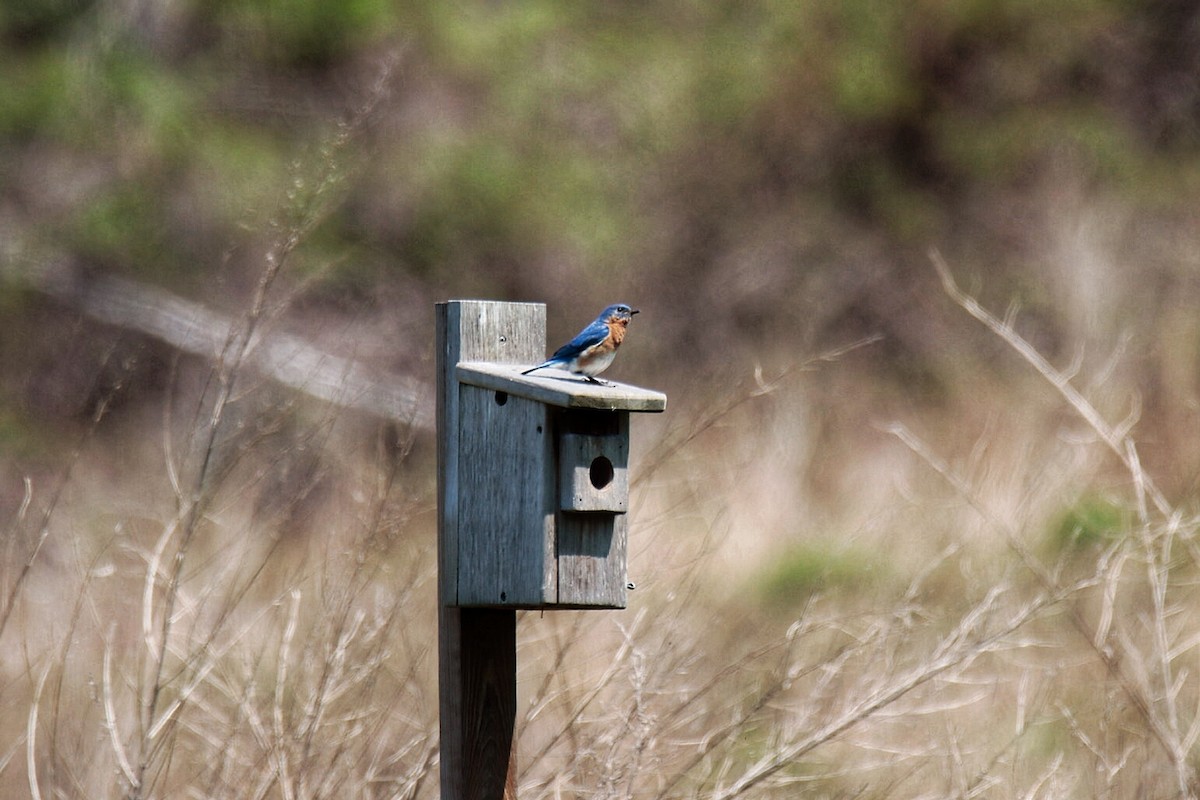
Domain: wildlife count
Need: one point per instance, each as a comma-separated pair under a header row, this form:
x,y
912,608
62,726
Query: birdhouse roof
x,y
559,388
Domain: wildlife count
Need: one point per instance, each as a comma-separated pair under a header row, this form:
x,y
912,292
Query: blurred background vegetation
x,y
759,162
765,180
777,169
767,176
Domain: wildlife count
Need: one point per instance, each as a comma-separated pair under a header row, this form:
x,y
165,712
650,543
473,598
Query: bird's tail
x,y
548,363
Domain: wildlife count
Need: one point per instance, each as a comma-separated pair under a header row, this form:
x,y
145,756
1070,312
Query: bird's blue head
x,y
618,312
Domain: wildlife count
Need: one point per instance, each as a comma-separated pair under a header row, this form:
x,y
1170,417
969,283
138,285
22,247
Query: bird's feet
x,y
598,381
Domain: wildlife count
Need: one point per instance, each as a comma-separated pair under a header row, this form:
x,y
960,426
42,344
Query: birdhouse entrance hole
x,y
601,472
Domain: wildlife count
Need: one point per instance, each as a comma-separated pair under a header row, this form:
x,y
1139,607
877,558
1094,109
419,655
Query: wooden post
x,y
532,499
477,647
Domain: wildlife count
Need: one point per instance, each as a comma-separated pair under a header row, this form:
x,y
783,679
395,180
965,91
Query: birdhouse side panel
x,y
505,513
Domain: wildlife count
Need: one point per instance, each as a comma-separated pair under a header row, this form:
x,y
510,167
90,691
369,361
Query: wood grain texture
x,y
476,647
562,389
474,330
593,472
489,701
592,544
506,524
591,559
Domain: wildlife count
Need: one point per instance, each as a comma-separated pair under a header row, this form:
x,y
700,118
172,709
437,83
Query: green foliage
x,y
33,20
157,107
38,95
126,227
871,73
1093,521
18,437
513,136
308,34
808,569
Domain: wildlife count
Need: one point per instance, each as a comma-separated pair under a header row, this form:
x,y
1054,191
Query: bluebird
x,y
594,347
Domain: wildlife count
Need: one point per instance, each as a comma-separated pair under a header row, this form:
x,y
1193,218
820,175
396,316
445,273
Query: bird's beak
x,y
633,311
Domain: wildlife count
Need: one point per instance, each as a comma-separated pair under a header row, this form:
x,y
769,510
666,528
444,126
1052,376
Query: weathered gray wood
x,y
450,710
558,388
591,560
476,330
448,322
476,647
593,472
506,523
592,543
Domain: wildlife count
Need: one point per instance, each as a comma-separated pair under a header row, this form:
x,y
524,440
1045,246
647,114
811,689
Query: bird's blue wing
x,y
589,337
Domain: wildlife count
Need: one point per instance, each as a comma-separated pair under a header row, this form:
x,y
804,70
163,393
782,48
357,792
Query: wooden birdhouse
x,y
535,469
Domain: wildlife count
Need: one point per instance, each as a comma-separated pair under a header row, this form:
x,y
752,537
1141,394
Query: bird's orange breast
x,y
616,332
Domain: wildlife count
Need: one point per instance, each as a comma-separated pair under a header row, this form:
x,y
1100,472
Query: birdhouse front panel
x,y
505,520
592,571
593,469
593,496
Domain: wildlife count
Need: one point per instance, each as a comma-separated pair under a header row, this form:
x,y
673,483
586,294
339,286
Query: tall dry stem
x,y
1153,690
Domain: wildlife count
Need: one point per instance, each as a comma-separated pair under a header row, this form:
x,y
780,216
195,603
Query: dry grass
x,y
246,610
